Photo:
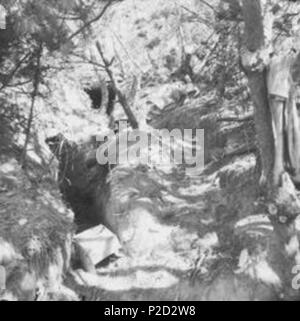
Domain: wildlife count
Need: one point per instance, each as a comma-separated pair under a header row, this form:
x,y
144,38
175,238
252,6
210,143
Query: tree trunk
x,y
36,82
263,125
280,192
256,73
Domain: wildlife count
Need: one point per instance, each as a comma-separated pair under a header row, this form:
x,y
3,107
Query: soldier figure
x,y
281,80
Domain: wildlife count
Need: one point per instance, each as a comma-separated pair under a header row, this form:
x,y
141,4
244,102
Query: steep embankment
x,y
201,238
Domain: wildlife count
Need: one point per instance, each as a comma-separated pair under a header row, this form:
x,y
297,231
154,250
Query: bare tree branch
x,y
207,4
87,24
36,82
236,119
88,61
198,17
126,51
17,67
122,99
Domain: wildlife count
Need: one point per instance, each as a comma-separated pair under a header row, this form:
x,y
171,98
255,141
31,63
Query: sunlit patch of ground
x,y
198,246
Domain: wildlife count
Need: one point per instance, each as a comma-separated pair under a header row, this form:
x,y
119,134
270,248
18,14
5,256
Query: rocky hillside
x,y
149,232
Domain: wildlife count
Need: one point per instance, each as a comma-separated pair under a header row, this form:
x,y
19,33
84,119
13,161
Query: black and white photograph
x,y
149,152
